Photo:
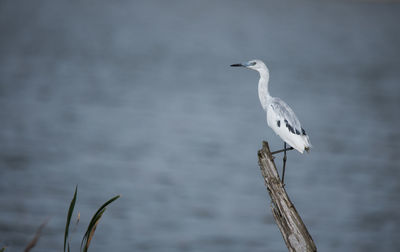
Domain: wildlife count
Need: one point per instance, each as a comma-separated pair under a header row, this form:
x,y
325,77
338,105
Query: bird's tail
x,y
308,145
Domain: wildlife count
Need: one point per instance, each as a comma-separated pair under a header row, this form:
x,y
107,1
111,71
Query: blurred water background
x,y
138,99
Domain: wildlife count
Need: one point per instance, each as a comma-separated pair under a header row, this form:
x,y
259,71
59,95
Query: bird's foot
x,y
279,151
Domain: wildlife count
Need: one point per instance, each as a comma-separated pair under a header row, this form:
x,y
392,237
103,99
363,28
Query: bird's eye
x,y
252,63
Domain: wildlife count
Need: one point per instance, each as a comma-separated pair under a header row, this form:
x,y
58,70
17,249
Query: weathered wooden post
x,y
293,230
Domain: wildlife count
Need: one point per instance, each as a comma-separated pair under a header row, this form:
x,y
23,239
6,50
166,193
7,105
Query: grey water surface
x,y
137,98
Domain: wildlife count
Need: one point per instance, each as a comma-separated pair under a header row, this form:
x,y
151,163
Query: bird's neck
x,y
263,92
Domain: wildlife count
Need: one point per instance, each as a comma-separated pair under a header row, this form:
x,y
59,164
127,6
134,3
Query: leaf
x,y
35,239
91,234
70,211
93,224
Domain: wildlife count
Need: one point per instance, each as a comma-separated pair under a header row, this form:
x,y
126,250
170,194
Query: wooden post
x,y
293,230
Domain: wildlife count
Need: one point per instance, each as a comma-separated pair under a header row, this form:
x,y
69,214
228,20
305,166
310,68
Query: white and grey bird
x,y
280,117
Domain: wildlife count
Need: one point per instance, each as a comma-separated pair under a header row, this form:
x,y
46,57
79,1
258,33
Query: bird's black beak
x,y
237,65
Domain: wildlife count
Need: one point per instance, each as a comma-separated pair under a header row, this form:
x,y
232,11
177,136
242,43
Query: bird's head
x,y
257,65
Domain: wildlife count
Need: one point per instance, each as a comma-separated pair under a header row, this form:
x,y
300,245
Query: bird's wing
x,y
287,116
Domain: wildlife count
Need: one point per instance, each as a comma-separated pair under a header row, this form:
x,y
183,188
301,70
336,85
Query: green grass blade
x,y
92,230
2,249
70,211
93,224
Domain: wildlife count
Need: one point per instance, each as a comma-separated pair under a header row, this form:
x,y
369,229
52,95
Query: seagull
x,y
280,117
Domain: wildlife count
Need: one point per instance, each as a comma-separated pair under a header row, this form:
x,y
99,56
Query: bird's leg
x,y
284,163
279,151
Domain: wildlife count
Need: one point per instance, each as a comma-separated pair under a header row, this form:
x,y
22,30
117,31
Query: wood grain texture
x,y
293,230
